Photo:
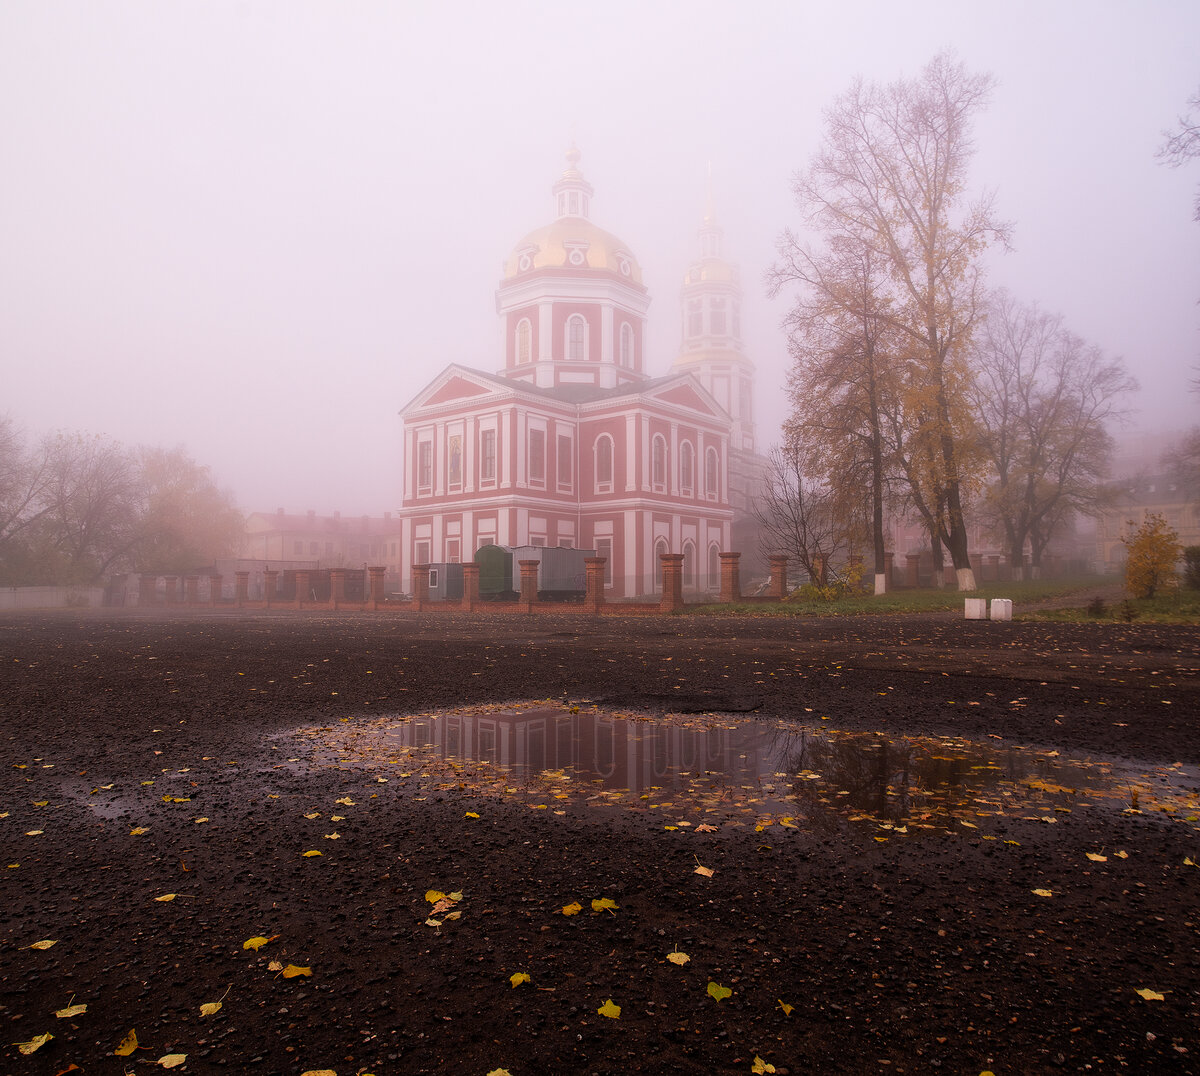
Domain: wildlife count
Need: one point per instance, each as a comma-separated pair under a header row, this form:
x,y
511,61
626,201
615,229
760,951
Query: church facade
x,y
573,441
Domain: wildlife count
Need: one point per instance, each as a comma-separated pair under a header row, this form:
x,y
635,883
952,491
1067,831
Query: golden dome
x,y
572,243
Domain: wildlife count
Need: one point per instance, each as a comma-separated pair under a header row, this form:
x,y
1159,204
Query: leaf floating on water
x,y
128,1044
291,971
517,978
605,904
613,1012
676,957
1149,995
34,1044
574,908
718,992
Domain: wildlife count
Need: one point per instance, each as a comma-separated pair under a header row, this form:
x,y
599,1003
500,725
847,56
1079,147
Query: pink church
x,y
572,442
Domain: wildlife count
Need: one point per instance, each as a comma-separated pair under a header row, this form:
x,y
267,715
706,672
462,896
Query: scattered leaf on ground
x,y
718,992
310,853
574,908
760,1066
43,944
172,1061
676,957
787,1009
1097,858
605,904
128,1044
137,831
613,1012
708,872
70,1010
499,1072
1043,892
258,942
36,1043
291,971
166,897
517,978
1149,995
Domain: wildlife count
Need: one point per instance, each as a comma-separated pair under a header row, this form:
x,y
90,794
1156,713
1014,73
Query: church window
x,y
658,456
695,318
689,564
604,464
716,317
576,338
714,566
564,459
455,460
711,478
487,453
537,456
425,466
660,550
687,468
627,345
524,341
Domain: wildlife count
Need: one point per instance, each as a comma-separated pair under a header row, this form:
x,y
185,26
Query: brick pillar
x,y
172,589
147,585
337,585
778,562
731,579
242,586
270,582
191,589
595,583
470,594
301,587
375,583
214,588
912,569
420,582
529,581
672,581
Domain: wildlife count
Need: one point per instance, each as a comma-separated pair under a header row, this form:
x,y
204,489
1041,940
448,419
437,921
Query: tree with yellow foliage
x,y
1151,554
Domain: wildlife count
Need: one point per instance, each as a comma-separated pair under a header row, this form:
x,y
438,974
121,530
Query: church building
x,y
573,441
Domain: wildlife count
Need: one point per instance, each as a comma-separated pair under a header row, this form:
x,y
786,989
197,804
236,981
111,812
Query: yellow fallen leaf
x,y
44,803
787,1009
760,1066
1043,893
69,1011
677,957
431,922
574,908
613,1012
1121,855
434,895
202,818
345,801
718,992
275,965
471,814
172,1061
1097,858
309,854
128,1044
499,1072
337,818
313,814
36,1043
605,904
258,941
1149,995
137,831
704,827
707,872
291,971
323,1072
517,978
210,1008
34,832
43,944
166,897
333,836
456,896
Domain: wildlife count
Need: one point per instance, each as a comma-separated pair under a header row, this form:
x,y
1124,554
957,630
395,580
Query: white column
x,y
631,452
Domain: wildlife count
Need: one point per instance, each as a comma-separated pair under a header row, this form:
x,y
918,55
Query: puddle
x,y
746,771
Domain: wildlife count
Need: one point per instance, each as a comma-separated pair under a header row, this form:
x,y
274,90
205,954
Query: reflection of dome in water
x,y
572,241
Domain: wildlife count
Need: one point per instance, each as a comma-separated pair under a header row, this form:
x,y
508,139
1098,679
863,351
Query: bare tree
x,y
1044,400
890,178
23,477
843,373
801,515
1183,144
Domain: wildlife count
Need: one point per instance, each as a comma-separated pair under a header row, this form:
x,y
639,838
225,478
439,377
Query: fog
x,y
259,229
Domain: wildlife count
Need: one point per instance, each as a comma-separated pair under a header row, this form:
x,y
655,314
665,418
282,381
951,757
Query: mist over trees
x,y
912,387
75,507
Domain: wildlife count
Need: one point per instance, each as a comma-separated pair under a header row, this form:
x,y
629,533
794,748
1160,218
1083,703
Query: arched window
x,y
576,338
660,548
711,474
604,463
687,468
627,345
524,341
714,567
659,462
689,564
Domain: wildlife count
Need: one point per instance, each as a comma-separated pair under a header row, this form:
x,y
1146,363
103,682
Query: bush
x,y
840,583
1151,552
1191,566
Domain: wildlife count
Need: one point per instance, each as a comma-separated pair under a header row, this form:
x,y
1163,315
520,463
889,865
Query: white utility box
x,y
975,608
1002,608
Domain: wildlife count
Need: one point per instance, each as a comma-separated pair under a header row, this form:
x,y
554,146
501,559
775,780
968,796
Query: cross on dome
x,y
572,192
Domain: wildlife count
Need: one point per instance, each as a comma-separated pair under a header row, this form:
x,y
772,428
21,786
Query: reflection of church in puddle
x,y
620,752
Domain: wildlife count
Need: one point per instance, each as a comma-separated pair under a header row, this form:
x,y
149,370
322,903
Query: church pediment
x,y
455,384
457,388
688,394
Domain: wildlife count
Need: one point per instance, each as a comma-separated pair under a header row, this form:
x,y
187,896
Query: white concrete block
x,y
975,608
1002,608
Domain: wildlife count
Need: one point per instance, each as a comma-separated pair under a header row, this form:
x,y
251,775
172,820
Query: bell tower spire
x,y
572,193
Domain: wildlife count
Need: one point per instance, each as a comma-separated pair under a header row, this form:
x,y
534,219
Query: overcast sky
x,y
259,229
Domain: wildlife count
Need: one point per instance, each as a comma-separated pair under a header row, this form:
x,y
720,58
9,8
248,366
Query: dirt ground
x,y
152,755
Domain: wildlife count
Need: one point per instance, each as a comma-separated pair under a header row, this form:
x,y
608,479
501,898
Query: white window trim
x,y
599,486
587,338
517,360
